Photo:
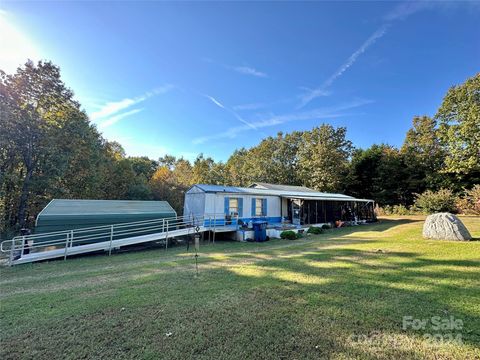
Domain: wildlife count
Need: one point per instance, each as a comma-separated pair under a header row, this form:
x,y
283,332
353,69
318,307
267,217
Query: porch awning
x,y
319,198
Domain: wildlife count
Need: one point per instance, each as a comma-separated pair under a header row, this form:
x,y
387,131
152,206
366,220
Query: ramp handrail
x,y
69,238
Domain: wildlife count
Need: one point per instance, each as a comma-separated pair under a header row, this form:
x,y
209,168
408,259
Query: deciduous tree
x,y
323,157
459,119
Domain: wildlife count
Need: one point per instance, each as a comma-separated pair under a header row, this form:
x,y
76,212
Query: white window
x,y
259,207
233,206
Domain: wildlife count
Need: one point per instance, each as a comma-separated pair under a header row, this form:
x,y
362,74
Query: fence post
x,y
71,238
166,238
12,250
111,239
66,248
23,246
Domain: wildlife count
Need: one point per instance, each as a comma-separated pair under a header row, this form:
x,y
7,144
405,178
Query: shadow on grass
x,y
304,300
365,295
384,224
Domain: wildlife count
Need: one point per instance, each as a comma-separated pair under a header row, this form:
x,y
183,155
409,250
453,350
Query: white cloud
x,y
16,47
242,69
220,105
408,8
405,9
399,12
246,70
351,60
321,91
272,120
114,107
215,101
116,118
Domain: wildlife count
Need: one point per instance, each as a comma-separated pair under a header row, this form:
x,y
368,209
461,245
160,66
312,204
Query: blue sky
x,y
185,78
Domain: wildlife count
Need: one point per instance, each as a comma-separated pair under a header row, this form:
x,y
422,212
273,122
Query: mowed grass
x,y
339,295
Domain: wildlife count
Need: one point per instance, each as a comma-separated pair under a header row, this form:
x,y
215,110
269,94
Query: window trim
x,y
257,202
237,207
262,206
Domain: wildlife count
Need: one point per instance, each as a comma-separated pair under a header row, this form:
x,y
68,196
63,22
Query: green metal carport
x,y
63,214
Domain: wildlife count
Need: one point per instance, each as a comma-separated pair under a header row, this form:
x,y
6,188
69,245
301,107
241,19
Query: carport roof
x,y
67,207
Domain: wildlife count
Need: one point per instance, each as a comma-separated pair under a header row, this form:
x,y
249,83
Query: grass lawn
x,y
340,295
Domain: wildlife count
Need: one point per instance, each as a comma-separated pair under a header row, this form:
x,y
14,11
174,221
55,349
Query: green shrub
x,y
314,230
400,210
326,226
431,202
394,210
388,209
289,235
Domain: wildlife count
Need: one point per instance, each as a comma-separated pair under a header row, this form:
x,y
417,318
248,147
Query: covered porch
x,y
308,211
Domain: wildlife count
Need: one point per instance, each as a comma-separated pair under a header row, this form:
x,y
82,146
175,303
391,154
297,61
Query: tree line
x,y
49,149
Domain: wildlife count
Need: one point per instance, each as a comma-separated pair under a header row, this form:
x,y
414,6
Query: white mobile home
x,y
276,204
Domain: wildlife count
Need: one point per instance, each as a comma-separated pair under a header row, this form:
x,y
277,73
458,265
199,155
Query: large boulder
x,y
445,226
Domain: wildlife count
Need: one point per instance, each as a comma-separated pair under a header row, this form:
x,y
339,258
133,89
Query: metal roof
x,y
312,195
262,185
347,198
219,188
67,207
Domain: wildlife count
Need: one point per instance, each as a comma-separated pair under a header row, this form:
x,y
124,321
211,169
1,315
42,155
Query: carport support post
x,y
111,239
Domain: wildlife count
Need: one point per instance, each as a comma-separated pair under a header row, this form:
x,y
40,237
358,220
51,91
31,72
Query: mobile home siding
x,y
215,203
314,207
